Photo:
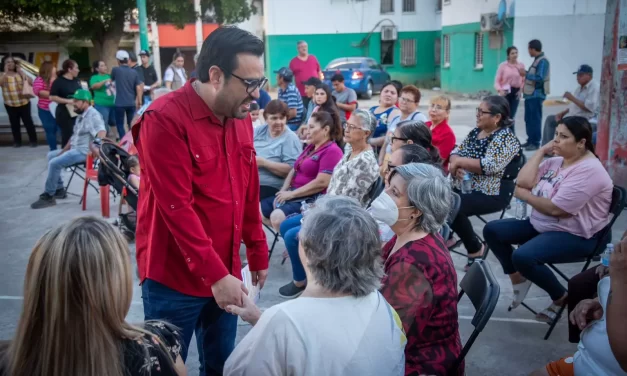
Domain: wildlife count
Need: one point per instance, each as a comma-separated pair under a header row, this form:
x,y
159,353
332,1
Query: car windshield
x,y
344,64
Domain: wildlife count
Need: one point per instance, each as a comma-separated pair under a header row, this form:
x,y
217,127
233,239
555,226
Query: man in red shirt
x,y
199,197
304,66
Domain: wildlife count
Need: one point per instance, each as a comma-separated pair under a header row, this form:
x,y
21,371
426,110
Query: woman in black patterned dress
x,y
485,155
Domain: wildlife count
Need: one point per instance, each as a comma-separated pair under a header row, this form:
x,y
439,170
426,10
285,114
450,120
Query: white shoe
x,y
520,292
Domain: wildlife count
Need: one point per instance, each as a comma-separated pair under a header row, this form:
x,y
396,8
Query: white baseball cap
x,y
121,55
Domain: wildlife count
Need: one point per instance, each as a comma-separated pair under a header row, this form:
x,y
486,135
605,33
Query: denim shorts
x,y
288,208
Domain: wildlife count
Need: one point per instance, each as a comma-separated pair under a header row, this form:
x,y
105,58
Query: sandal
x,y
549,314
452,242
520,292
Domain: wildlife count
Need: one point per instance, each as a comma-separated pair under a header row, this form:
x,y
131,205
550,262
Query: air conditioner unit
x,y
389,33
491,22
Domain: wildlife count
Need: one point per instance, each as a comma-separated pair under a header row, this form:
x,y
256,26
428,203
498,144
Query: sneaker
x,y
291,291
524,145
45,201
60,193
531,147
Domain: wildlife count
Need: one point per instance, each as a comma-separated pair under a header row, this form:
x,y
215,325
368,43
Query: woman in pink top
x,y
509,82
41,88
569,196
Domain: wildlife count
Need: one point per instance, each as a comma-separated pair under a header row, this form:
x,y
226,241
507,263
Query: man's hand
x,y
602,271
585,312
228,291
248,311
259,277
568,95
260,161
618,263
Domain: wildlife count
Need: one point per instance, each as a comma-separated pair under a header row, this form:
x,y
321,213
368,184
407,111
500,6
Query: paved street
x,y
510,345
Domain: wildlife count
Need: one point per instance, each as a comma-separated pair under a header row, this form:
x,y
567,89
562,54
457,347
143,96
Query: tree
x,y
102,21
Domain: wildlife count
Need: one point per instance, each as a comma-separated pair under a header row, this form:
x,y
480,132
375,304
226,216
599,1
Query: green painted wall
x,y
462,76
280,49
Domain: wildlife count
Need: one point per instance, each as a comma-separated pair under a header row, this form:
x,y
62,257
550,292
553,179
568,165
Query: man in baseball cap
x,y
289,94
122,56
144,53
88,127
584,101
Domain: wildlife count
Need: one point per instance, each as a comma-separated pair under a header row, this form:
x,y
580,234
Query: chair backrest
x,y
483,291
456,203
514,167
375,190
619,200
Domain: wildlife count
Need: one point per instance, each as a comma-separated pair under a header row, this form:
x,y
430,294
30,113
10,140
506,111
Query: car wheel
x,y
369,90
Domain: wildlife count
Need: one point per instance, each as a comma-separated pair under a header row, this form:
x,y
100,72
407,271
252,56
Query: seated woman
x,y
385,111
77,292
420,280
353,177
570,197
414,132
484,154
340,320
311,173
442,134
277,148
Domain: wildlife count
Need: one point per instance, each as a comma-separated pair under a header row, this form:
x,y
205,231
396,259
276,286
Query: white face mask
x,y
384,209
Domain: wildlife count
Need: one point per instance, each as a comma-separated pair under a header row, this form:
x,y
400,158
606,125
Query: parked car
x,y
362,74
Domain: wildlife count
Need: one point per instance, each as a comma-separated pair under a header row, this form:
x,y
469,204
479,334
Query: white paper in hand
x,y
253,291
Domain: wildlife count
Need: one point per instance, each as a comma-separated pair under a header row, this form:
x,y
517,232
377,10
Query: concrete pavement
x,y
511,343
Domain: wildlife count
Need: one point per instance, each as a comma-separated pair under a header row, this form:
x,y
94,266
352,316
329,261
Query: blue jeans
x,y
129,111
289,231
215,328
108,115
533,120
535,251
50,127
56,164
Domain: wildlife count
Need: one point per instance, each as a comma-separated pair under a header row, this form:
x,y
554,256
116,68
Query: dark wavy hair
x,y
414,153
580,127
329,106
325,119
419,134
498,105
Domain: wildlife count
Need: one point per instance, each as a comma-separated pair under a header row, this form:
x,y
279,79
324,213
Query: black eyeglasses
x,y
481,112
251,84
394,138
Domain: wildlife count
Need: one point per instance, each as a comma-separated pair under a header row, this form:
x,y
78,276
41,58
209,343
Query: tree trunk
x,y
106,42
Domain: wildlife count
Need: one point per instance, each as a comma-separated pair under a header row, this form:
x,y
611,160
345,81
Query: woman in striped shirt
x,y
41,88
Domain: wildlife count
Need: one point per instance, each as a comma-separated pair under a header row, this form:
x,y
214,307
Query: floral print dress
x,y
144,356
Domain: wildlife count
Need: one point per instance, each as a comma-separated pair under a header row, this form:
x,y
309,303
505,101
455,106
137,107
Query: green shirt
x,y
101,98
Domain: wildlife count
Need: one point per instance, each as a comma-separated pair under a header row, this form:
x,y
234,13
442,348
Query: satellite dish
x,y
502,10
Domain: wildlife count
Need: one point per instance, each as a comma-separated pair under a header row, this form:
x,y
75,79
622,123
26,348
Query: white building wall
x,y
459,12
294,17
571,32
255,24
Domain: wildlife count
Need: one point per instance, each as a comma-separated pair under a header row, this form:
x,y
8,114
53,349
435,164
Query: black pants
x,y
580,287
477,203
65,122
512,99
17,113
266,191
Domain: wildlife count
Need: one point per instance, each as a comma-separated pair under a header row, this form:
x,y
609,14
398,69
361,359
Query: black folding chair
x,y
510,174
276,235
78,169
483,291
619,197
456,203
375,190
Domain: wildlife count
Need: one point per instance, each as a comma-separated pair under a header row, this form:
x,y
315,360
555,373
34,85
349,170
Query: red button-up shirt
x,y
199,195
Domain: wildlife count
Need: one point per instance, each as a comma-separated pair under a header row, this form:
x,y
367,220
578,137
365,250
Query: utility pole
x,y
143,25
199,15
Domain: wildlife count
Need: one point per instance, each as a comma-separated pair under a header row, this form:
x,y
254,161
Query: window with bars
x,y
408,52
478,50
447,2
447,50
387,6
409,6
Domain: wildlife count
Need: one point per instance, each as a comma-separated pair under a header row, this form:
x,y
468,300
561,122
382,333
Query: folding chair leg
x,y
84,198
276,239
104,201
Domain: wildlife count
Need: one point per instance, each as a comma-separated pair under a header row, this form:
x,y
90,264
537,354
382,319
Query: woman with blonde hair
x,y
41,88
77,292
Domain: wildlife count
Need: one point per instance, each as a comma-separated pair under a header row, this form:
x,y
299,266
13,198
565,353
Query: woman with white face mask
x,y
420,281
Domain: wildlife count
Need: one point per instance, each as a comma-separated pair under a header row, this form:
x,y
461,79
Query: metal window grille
x,y
408,52
479,50
447,50
409,6
387,6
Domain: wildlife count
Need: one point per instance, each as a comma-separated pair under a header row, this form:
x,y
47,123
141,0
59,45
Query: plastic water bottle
x,y
467,183
304,207
605,258
521,209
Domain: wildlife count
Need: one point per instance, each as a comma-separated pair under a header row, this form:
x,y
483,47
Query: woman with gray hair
x,y
420,281
353,177
341,322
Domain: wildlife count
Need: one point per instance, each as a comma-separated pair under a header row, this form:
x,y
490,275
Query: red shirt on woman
x,y
443,138
421,284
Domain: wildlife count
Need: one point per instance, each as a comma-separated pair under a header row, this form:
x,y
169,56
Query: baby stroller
x,y
114,171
